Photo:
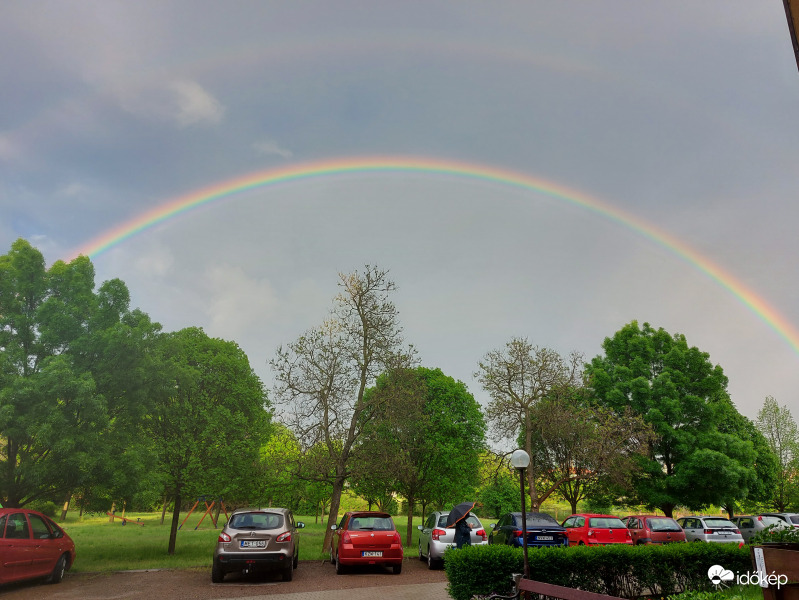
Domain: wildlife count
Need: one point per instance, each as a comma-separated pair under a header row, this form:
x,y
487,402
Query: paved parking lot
x,y
427,591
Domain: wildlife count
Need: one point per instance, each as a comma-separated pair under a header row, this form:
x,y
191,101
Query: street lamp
x,y
521,460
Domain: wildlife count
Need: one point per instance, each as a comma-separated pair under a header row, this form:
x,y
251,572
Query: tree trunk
x,y
409,528
66,506
163,510
574,506
332,517
173,531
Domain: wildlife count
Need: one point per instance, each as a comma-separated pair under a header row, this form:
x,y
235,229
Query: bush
x,y
45,507
619,570
775,534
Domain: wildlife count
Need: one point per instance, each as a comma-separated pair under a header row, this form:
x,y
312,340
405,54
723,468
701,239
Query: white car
x,y
702,528
435,538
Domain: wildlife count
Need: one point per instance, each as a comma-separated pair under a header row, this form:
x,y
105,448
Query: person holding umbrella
x,y
457,518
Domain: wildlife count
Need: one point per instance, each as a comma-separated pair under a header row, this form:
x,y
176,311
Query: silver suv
x,y
257,539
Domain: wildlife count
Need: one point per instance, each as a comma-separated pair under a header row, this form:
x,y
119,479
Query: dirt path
x,y
195,584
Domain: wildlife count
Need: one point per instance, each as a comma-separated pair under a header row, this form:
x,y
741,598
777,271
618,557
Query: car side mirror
x,y
493,525
333,527
300,525
419,527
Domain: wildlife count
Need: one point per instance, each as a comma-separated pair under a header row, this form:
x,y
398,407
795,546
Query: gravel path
x,y
195,584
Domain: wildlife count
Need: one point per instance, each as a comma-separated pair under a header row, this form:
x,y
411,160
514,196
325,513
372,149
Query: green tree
x,y
426,431
321,377
68,404
209,421
778,426
690,461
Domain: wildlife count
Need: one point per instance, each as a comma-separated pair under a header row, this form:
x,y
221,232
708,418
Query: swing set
x,y
207,512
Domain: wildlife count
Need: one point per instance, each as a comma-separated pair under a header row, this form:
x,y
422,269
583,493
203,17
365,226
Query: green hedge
x,y
620,570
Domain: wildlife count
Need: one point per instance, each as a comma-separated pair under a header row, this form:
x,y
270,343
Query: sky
x,y
549,170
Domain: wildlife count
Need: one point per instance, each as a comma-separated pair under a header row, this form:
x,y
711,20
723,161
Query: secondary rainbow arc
x,y
436,167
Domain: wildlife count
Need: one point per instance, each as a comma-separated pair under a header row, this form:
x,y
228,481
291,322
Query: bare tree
x,y
321,377
778,426
517,378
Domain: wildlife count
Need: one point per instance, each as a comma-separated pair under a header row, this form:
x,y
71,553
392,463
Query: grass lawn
x,y
104,546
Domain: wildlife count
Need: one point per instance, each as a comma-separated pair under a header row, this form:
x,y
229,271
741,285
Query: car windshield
x,y
371,523
256,520
719,523
605,523
471,520
538,519
663,524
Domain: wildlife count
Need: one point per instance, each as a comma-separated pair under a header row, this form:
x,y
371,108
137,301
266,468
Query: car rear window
x,y
794,519
541,519
768,521
664,524
471,520
256,520
605,523
713,523
371,523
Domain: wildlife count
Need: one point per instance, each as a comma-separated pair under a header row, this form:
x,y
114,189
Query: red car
x,y
596,530
366,538
654,529
32,545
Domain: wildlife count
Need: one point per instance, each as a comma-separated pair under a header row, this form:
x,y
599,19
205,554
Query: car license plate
x,y
722,532
544,538
253,543
371,553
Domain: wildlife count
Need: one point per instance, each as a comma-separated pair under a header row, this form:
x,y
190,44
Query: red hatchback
x,y
366,538
654,529
596,530
32,545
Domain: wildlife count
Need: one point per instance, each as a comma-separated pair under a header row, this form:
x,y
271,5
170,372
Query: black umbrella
x,y
458,512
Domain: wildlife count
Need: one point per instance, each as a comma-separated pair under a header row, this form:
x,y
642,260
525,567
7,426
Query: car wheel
x,y
288,571
431,564
297,559
421,556
58,572
217,573
581,543
339,566
397,569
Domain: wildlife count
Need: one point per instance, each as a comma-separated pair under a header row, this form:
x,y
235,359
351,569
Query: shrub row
x,y
620,570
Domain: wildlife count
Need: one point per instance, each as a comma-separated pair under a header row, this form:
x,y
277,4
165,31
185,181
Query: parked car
x,y
654,529
791,519
257,539
702,528
596,530
366,538
435,538
542,530
32,546
751,525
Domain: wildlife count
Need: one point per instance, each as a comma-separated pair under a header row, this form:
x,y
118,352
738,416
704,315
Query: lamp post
x,y
521,460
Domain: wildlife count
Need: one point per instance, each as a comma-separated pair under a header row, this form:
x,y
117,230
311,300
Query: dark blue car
x,y
542,530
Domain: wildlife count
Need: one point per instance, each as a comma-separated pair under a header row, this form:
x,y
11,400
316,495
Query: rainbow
x,y
363,166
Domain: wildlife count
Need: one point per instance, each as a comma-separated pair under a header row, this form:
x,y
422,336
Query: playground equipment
x,y
124,520
208,508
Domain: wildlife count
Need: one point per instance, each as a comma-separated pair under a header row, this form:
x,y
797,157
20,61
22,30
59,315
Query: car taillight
x,y
517,533
284,537
345,538
708,531
397,538
482,534
223,537
760,518
738,531
437,533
